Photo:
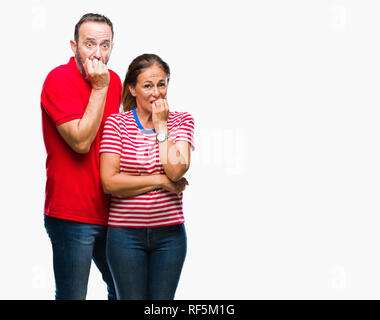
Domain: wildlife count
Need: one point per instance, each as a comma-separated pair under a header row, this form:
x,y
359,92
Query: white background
x,y
283,201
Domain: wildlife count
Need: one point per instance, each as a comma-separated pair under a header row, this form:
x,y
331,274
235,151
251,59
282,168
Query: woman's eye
x,y
162,85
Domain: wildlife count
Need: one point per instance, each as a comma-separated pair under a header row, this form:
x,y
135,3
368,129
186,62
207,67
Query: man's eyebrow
x,y
93,39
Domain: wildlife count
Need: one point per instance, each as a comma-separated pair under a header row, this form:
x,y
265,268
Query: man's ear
x,y
110,49
73,45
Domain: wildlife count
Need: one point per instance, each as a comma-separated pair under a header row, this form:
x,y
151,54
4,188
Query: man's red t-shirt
x,y
73,187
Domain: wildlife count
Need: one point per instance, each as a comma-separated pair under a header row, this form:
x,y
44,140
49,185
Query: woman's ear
x,y
132,90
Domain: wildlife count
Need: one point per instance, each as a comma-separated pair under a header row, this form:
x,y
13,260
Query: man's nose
x,y
97,54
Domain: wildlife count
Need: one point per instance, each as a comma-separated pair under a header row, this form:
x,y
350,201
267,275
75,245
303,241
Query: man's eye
x,y
105,46
147,86
89,44
162,85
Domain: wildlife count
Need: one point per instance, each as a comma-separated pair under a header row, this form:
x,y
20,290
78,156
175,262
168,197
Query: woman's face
x,y
151,85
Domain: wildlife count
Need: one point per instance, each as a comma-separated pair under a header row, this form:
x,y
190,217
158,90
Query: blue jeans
x,y
74,245
146,263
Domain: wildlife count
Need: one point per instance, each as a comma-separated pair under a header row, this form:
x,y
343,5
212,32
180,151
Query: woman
x,y
145,151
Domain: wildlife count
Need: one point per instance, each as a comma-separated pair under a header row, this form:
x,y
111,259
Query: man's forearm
x,y
89,124
79,134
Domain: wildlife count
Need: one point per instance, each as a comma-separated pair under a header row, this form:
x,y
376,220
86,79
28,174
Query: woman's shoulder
x,y
180,116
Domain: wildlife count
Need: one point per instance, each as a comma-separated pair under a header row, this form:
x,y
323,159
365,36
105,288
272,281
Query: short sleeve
x,y
61,99
185,130
111,138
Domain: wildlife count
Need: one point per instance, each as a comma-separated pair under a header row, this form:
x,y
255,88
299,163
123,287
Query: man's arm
x,y
80,133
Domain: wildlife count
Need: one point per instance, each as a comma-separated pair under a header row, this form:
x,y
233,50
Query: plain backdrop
x,y
283,201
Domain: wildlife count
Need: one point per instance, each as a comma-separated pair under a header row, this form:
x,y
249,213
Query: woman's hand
x,y
174,187
160,113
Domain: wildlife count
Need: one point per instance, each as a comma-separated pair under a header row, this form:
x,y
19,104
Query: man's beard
x,y
80,65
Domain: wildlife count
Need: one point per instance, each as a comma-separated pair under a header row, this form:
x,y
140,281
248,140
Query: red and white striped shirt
x,y
139,155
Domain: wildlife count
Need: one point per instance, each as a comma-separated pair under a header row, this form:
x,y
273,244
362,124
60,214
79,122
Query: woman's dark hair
x,y
135,68
94,17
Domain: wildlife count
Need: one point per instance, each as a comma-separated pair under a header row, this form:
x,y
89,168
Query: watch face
x,y
161,137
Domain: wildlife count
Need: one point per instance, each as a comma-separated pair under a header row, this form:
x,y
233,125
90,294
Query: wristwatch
x,y
162,136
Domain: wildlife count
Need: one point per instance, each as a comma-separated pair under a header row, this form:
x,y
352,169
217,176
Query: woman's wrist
x,y
161,126
161,179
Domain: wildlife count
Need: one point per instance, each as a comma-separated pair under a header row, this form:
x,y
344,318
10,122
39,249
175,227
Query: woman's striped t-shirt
x,y
139,155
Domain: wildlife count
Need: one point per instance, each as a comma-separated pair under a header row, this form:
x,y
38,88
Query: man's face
x,y
94,42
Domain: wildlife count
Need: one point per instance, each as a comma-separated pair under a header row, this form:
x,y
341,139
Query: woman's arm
x,y
175,157
115,183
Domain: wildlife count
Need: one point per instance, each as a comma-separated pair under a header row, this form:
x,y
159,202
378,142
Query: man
x,y
76,100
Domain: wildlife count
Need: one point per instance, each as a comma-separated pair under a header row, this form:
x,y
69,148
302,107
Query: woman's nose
x,y
156,93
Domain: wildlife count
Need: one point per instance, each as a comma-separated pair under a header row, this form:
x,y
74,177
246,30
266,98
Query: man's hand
x,y
97,73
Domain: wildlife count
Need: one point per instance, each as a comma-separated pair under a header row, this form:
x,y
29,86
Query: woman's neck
x,y
145,118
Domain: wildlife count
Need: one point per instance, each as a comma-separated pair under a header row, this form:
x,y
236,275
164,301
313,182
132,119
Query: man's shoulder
x,y
114,75
62,72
